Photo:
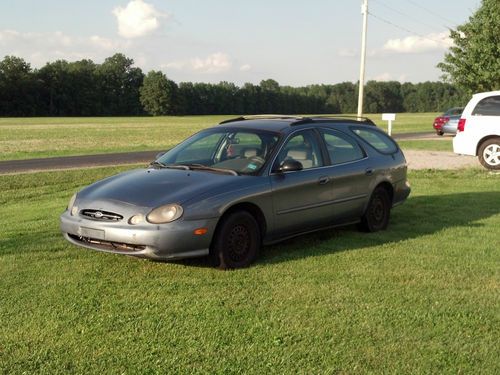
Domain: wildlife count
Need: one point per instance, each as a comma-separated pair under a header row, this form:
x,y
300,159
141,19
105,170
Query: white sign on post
x,y
389,117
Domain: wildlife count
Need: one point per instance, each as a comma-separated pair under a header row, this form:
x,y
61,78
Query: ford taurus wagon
x,y
247,182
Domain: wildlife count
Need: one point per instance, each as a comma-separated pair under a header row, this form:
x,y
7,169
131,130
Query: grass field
x,y
24,138
421,297
436,144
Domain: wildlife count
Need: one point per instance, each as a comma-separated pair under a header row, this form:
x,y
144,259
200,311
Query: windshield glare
x,y
243,151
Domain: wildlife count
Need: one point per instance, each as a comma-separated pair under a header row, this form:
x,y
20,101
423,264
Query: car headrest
x,y
297,154
249,152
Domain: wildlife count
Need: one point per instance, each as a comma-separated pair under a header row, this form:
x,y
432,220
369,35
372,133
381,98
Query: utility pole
x,y
364,12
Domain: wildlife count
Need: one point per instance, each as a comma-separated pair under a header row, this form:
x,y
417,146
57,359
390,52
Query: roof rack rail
x,y
257,117
300,120
340,117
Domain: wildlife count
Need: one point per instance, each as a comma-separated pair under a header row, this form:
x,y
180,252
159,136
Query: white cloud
x,y
137,19
383,77
39,48
386,76
245,68
214,63
347,52
108,44
419,44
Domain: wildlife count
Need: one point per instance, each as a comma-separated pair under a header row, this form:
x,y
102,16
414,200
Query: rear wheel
x,y
489,154
237,241
440,132
376,216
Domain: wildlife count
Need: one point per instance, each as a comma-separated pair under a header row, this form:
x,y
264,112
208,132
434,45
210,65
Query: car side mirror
x,y
290,165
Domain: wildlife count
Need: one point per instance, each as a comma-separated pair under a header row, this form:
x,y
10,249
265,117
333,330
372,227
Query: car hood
x,y
155,187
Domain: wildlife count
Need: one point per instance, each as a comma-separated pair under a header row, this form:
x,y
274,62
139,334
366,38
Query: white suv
x,y
478,131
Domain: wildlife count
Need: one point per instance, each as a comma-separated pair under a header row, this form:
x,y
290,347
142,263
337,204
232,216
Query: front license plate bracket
x,y
91,233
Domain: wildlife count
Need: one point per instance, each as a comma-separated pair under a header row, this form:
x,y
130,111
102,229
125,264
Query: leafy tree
x,y
17,88
57,88
119,84
159,94
473,63
383,97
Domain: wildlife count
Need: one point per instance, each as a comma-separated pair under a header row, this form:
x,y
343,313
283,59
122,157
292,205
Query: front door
x,y
302,199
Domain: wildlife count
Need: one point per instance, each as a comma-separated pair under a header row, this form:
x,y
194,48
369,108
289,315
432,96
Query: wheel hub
x,y
491,155
377,210
238,243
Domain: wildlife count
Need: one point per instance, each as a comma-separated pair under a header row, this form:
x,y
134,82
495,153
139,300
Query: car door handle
x,y
369,171
323,180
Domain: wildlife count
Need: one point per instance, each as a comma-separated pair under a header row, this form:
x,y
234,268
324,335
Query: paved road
x,y
85,161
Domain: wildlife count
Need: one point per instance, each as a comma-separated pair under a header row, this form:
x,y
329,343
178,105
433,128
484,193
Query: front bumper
x,y
174,240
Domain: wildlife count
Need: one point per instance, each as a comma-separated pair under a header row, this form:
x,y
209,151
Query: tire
x,y
376,216
440,133
237,241
489,154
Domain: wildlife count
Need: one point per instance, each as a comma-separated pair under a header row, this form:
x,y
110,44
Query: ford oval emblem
x,y
98,214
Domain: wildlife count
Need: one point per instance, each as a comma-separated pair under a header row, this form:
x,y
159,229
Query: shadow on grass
x,y
418,216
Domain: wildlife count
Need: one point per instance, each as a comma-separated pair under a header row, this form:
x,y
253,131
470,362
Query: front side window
x,y
488,107
303,147
341,149
376,139
241,151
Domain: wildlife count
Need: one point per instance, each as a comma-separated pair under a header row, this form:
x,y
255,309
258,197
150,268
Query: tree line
x,y
118,88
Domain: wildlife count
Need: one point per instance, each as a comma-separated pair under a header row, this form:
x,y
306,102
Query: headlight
x,y
71,204
165,214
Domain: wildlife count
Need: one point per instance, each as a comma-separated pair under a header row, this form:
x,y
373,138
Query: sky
x,y
294,42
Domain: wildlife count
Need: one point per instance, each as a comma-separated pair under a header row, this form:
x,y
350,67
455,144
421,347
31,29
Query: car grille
x,y
101,215
107,245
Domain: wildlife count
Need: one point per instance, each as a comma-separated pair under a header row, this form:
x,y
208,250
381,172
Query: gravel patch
x,y
422,159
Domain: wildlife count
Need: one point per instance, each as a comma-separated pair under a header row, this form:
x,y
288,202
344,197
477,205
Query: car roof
x,y
279,123
486,94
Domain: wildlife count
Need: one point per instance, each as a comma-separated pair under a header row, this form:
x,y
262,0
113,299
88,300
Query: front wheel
x,y
489,154
376,216
237,241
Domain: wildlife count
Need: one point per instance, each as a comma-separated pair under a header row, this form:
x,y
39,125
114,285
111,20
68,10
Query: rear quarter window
x,y
376,139
488,107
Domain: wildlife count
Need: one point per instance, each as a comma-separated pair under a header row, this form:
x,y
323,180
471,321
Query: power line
x,y
403,14
405,29
440,16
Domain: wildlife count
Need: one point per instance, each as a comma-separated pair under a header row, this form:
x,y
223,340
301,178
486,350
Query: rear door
x,y
350,173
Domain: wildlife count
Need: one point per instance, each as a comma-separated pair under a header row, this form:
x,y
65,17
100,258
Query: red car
x,y
442,120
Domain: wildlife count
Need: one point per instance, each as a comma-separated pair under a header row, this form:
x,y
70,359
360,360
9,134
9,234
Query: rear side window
x,y
454,112
376,139
488,107
341,149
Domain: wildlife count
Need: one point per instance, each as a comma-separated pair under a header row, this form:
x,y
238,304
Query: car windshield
x,y
222,150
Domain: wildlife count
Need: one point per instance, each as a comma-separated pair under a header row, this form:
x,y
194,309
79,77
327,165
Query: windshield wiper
x,y
159,164
156,164
202,167
189,167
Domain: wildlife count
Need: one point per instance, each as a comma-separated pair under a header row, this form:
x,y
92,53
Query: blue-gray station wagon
x,y
247,182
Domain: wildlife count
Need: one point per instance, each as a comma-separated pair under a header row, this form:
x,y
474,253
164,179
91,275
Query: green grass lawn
x,y
438,144
24,138
421,297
